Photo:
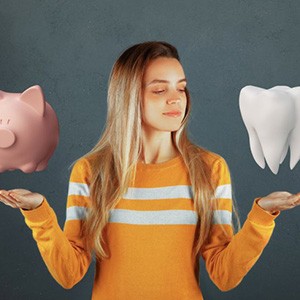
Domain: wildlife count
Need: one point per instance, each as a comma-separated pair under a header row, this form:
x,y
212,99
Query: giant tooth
x,y
294,137
270,117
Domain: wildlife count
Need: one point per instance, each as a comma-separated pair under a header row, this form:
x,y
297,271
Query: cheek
x,y
152,111
152,104
184,102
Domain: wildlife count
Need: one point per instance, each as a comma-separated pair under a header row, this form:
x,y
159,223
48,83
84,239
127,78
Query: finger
x,y
294,197
282,203
16,190
20,200
19,192
297,199
6,195
8,202
9,198
291,201
4,199
280,194
14,196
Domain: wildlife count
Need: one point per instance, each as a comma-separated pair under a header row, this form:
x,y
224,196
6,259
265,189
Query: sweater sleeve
x,y
63,251
228,256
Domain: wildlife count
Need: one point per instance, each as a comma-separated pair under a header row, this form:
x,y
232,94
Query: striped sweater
x,y
150,235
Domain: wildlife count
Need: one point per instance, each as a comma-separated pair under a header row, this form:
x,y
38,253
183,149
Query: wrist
x,y
271,212
32,208
38,204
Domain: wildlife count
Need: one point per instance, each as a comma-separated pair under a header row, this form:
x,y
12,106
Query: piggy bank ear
x,y
34,97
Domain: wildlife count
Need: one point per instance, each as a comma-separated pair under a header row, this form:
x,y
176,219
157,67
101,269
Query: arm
x,y
229,257
63,252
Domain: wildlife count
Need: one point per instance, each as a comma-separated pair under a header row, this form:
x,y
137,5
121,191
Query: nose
x,y
173,101
175,97
7,138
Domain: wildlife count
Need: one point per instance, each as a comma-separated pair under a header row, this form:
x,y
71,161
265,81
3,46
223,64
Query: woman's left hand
x,y
278,201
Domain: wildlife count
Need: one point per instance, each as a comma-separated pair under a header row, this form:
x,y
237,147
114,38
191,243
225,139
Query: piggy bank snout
x,y
7,138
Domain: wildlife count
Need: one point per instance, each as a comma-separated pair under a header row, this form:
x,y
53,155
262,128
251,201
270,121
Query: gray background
x,y
69,47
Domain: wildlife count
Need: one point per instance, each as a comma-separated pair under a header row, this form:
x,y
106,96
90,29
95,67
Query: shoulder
x,y
219,170
211,158
82,169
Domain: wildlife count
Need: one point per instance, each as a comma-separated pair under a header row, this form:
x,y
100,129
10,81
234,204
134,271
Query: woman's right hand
x,y
21,198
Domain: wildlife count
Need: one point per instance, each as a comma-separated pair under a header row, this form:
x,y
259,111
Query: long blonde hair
x,y
115,155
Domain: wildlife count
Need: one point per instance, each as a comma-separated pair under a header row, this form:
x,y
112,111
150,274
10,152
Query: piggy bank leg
x,y
42,165
29,167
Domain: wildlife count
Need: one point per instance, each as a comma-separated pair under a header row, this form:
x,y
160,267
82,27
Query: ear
x,y
34,97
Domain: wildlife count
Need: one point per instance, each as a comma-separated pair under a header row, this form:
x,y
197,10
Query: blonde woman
x,y
146,201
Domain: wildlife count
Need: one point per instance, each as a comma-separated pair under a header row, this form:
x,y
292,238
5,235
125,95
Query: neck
x,y
157,147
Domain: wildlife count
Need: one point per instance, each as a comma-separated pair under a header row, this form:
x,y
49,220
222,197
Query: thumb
x,y
19,191
294,199
16,196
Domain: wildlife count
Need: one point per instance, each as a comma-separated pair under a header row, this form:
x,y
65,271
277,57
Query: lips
x,y
173,113
272,119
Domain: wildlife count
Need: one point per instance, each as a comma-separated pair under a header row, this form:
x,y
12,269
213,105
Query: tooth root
x,y
285,150
294,148
269,116
294,140
273,150
246,94
255,148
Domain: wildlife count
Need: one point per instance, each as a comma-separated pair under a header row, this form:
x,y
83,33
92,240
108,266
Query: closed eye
x,y
161,91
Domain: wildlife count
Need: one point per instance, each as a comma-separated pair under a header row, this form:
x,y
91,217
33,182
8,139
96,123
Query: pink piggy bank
x,y
29,130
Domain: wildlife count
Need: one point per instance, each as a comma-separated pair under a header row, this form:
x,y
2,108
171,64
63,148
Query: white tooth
x,y
284,88
294,139
269,116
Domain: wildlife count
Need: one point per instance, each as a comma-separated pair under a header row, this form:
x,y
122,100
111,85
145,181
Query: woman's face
x,y
163,91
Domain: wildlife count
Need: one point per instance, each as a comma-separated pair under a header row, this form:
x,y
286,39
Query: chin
x,y
173,128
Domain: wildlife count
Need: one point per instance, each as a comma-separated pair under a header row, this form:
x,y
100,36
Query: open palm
x,y
21,198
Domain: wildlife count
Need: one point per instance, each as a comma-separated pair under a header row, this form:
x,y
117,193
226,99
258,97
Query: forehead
x,y
163,68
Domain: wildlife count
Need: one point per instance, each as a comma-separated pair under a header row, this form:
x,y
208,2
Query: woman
x,y
146,199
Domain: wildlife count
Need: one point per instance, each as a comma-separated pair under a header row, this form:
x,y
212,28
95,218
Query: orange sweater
x,y
150,235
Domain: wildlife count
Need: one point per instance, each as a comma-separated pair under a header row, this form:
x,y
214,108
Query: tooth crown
x,y
271,117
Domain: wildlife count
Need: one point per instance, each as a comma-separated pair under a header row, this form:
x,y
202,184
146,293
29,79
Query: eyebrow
x,y
164,81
